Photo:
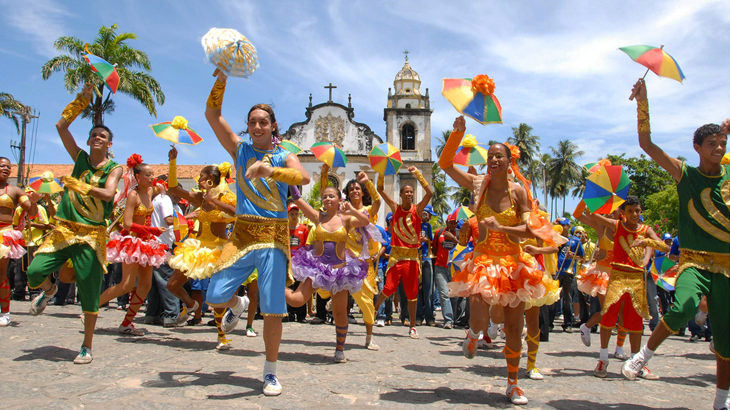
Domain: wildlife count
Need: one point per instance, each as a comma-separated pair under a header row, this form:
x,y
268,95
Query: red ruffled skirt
x,y
13,244
131,249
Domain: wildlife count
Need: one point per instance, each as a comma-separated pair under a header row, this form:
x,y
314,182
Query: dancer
x,y
195,258
361,194
80,234
260,237
13,242
404,262
136,246
704,264
329,265
626,291
499,272
595,280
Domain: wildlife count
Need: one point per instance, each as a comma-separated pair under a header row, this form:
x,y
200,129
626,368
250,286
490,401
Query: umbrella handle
x,y
631,98
215,73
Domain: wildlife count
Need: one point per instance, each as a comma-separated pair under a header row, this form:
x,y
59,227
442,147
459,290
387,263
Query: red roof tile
x,y
59,170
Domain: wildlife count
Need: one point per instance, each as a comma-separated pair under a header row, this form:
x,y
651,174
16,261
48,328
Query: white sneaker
x,y
250,332
232,315
501,333
700,317
535,374
39,303
633,367
585,335
130,330
646,374
516,395
483,344
185,313
601,369
413,333
84,356
4,319
245,301
272,387
469,345
619,354
492,330
380,323
223,344
340,356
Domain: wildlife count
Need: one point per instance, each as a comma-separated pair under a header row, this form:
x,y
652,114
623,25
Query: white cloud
x,y
42,21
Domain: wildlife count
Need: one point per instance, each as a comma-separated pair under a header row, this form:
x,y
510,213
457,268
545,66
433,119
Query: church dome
x,y
407,73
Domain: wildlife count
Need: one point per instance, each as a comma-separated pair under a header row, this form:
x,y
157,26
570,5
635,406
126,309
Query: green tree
x,y
543,176
661,210
314,198
441,192
563,169
12,109
462,196
646,176
529,146
441,142
132,65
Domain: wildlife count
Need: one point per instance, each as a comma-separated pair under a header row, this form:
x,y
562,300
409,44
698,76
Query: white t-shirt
x,y
162,209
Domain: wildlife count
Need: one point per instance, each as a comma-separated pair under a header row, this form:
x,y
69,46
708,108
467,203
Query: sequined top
x,y
6,201
625,257
142,210
607,245
498,243
323,235
206,218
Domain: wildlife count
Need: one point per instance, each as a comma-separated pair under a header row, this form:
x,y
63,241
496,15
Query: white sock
x,y
721,398
646,353
238,309
269,368
472,335
584,328
603,355
620,349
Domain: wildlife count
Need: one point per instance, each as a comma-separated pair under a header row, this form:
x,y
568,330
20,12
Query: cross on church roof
x,y
330,88
406,53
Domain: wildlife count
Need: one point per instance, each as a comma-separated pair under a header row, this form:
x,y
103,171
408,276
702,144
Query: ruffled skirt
x,y
552,292
506,281
594,281
130,249
195,259
350,277
13,244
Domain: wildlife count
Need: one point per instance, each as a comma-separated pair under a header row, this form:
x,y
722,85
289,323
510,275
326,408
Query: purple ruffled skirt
x,y
350,277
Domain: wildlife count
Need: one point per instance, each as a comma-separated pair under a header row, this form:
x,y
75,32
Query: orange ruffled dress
x,y
552,286
498,269
595,280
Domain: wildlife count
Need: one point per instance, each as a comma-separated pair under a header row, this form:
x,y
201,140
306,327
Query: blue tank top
x,y
260,196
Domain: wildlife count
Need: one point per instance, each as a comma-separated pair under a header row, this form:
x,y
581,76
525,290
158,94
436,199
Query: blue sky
x,y
555,65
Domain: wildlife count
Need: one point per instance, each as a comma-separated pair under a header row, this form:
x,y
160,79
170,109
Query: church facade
x,y
407,117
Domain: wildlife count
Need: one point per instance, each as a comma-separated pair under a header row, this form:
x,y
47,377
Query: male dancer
x,y
80,234
260,237
404,263
704,226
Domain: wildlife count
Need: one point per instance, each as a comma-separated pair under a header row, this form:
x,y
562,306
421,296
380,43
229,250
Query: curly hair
x,y
366,200
705,131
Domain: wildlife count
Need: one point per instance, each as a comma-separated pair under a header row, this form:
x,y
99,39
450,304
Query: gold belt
x,y
710,261
69,233
399,253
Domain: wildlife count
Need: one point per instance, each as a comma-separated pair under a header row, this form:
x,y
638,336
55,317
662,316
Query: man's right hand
x,y
221,76
460,124
640,90
88,91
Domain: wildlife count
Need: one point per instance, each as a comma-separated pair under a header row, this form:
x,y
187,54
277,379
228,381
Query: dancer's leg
x,y
253,297
129,280
299,297
532,318
175,286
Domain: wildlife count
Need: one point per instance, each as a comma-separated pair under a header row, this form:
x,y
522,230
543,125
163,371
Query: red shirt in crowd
x,y
298,237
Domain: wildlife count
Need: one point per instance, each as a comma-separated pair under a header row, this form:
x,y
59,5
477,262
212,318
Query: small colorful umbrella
x,y
179,226
474,97
329,153
457,257
290,146
461,212
656,60
230,52
385,159
45,183
595,166
664,272
106,71
606,189
170,131
470,153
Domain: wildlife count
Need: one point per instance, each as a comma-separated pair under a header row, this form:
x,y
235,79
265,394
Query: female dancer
x,y
136,246
195,257
329,265
595,280
363,196
13,244
498,272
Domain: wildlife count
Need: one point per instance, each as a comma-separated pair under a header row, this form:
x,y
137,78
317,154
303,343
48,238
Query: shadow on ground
x,y
187,379
48,353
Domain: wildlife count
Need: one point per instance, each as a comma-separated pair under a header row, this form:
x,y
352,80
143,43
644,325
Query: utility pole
x,y
26,116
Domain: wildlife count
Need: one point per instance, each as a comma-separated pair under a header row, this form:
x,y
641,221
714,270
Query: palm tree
x,y
462,197
441,192
12,108
442,142
529,146
132,65
540,167
563,170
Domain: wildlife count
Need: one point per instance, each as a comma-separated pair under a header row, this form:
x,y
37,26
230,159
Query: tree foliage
x,y
441,192
12,109
661,210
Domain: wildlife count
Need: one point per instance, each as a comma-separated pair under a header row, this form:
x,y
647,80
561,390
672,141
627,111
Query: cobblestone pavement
x,y
180,368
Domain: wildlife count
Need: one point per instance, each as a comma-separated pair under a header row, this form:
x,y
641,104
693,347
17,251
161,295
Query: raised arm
x,y
426,187
672,165
357,219
307,210
228,139
446,161
363,179
195,198
386,198
68,116
601,220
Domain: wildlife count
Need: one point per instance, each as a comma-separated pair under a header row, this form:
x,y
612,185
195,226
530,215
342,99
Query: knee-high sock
x,y
5,300
135,302
532,354
341,332
621,336
218,314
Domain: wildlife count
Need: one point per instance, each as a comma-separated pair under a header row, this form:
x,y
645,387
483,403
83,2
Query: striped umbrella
x,y
474,97
385,159
330,154
171,131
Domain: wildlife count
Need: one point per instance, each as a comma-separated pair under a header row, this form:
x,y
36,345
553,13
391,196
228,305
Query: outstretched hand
x,y
725,127
362,178
639,90
220,75
259,170
460,124
88,91
172,154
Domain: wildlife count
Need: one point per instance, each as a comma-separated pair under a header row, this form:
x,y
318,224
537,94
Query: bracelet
x,y
22,199
372,191
526,217
658,245
74,108
323,181
76,185
381,182
421,179
215,99
642,113
289,176
172,174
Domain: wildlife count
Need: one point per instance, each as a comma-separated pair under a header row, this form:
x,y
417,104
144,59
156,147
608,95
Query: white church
x,y
407,117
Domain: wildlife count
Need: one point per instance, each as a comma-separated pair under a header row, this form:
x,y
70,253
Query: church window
x,y
408,106
408,90
333,181
408,137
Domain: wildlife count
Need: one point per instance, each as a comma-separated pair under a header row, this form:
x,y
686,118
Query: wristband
x,y
421,179
172,174
215,99
289,176
372,191
74,108
323,181
642,113
452,145
154,230
381,182
658,245
294,192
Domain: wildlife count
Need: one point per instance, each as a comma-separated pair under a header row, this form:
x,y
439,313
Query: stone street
x,y
180,368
